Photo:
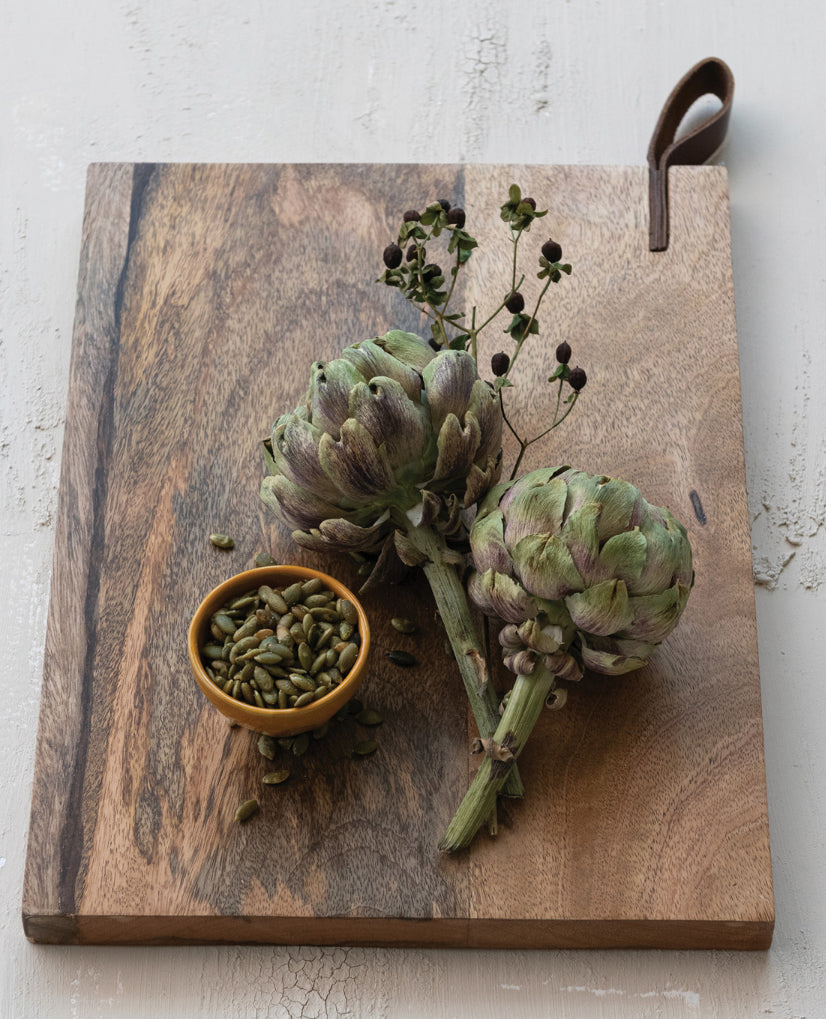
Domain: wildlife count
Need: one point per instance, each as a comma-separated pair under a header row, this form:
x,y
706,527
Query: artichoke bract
x,y
585,573
582,569
390,428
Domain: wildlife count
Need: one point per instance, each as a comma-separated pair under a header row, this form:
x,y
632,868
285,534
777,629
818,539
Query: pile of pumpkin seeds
x,y
282,647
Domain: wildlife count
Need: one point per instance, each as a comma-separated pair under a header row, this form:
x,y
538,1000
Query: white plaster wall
x,y
476,80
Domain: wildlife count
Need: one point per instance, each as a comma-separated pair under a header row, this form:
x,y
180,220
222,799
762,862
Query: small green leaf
x,y
566,268
438,333
515,193
459,342
534,327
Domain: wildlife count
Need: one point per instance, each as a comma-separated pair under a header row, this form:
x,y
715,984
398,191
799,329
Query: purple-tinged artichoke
x,y
389,429
391,444
585,573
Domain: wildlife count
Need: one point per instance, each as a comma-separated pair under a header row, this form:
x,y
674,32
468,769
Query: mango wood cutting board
x,y
205,293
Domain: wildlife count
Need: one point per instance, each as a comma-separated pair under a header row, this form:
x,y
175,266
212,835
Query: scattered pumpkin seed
x,y
365,748
266,747
247,809
403,625
369,717
402,658
222,541
276,777
300,744
354,706
265,559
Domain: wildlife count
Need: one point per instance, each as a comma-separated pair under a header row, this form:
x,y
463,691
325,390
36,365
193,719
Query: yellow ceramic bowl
x,y
274,721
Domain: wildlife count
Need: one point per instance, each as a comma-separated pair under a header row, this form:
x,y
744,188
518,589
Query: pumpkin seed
x,y
247,809
276,777
347,611
267,657
222,541
312,586
369,717
266,747
265,559
318,693
291,594
300,744
347,658
259,701
305,655
285,742
305,698
365,748
245,630
402,658
212,651
246,693
354,706
321,731
403,625
224,623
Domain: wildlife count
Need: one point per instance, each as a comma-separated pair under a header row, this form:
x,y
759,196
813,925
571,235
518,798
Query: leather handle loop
x,y
708,76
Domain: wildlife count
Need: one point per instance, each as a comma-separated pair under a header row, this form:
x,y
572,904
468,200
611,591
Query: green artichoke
x,y
390,429
582,569
585,573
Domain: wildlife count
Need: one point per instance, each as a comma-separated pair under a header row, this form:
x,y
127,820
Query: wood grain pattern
x,y
205,292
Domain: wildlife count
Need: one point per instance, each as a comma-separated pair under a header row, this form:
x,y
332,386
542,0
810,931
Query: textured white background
x,y
412,80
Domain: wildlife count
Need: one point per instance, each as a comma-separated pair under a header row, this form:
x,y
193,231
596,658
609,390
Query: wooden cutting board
x,y
205,292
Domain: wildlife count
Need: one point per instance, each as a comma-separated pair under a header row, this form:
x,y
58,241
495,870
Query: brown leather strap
x,y
709,76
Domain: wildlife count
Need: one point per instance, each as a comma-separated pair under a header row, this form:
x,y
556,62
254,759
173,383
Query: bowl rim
x,y
253,578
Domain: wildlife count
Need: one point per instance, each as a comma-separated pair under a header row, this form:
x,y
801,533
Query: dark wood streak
x,y
72,842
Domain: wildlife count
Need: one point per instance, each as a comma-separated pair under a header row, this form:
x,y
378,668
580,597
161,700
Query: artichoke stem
x,y
526,702
451,601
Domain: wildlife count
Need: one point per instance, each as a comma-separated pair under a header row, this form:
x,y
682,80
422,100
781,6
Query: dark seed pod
x,y
500,363
531,202
430,272
552,251
411,216
577,378
402,658
563,352
515,303
456,217
392,256
411,253
445,204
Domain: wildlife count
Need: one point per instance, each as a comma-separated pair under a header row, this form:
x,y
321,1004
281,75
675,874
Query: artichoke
x,y
388,429
582,569
585,573
391,444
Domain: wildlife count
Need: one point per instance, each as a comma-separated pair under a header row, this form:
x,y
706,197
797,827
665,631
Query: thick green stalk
x,y
526,702
451,601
